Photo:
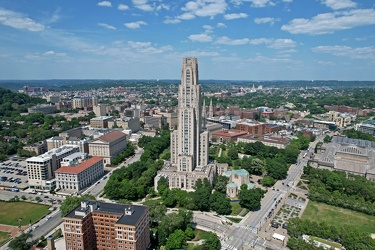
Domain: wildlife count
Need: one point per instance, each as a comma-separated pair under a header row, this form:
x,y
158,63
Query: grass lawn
x,y
3,237
236,208
329,243
339,216
10,212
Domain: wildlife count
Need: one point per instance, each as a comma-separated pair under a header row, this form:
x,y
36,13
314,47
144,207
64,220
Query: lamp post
x,y
19,224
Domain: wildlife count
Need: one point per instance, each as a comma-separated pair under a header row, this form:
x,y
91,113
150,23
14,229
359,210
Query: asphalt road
x,y
246,233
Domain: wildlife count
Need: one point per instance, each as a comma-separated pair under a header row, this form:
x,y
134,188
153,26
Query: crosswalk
x,y
252,229
226,246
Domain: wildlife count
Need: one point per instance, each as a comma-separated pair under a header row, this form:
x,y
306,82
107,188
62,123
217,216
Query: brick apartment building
x,y
104,226
253,128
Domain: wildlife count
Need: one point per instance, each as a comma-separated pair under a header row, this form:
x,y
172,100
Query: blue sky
x,y
144,39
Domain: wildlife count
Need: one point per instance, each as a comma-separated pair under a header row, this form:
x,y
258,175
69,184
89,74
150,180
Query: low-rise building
x,y
44,108
40,169
79,175
102,226
237,178
100,121
38,147
271,141
250,127
227,135
108,146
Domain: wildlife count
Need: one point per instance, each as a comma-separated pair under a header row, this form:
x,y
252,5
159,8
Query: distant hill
x,y
93,83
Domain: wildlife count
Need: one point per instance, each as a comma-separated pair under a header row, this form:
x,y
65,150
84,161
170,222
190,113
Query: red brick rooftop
x,y
79,168
229,133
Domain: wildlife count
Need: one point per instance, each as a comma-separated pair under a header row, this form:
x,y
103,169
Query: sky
x,y
147,39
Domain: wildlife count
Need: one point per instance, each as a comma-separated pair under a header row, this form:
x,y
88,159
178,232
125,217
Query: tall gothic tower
x,y
189,142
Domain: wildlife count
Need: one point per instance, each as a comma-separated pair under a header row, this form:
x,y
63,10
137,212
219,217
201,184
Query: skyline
x,y
142,39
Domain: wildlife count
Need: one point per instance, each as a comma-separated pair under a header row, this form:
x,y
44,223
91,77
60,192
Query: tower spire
x,y
210,110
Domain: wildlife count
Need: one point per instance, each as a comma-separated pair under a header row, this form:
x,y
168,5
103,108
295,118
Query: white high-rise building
x,y
189,143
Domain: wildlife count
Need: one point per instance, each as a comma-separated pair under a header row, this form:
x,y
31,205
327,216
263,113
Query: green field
x,y
10,212
316,211
3,237
236,208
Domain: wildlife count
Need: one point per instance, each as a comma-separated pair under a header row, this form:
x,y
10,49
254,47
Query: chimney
x,y
51,243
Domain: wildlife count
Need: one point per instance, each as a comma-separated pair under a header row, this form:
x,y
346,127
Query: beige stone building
x,y
189,142
100,121
80,174
108,146
40,169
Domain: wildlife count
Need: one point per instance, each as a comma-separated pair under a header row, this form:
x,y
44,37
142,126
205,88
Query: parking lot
x,y
13,174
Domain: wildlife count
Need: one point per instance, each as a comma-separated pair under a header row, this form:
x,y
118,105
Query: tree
x,y
73,201
189,232
177,240
162,185
268,181
257,166
232,154
250,198
221,184
220,203
21,242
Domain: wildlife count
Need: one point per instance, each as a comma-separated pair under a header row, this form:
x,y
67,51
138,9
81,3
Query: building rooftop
x,y
135,211
80,167
229,133
113,136
56,151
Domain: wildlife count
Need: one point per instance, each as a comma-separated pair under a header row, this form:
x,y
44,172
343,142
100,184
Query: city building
x,y
58,141
253,128
84,102
102,226
237,178
38,147
226,135
271,141
40,169
77,175
100,110
44,108
100,121
53,98
367,127
108,146
350,155
189,142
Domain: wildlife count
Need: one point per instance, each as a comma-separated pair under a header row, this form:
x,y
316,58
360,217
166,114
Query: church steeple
x,y
204,114
210,110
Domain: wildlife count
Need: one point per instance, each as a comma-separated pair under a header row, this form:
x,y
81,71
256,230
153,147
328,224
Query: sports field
x,y
339,216
12,212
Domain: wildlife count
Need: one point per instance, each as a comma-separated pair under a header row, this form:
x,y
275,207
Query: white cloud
x,y
221,25
208,29
274,43
339,4
227,41
204,8
346,51
171,21
122,6
235,16
270,20
282,44
147,48
200,38
53,53
259,3
325,63
331,22
199,54
264,59
107,26
142,5
135,25
186,16
105,4
19,21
